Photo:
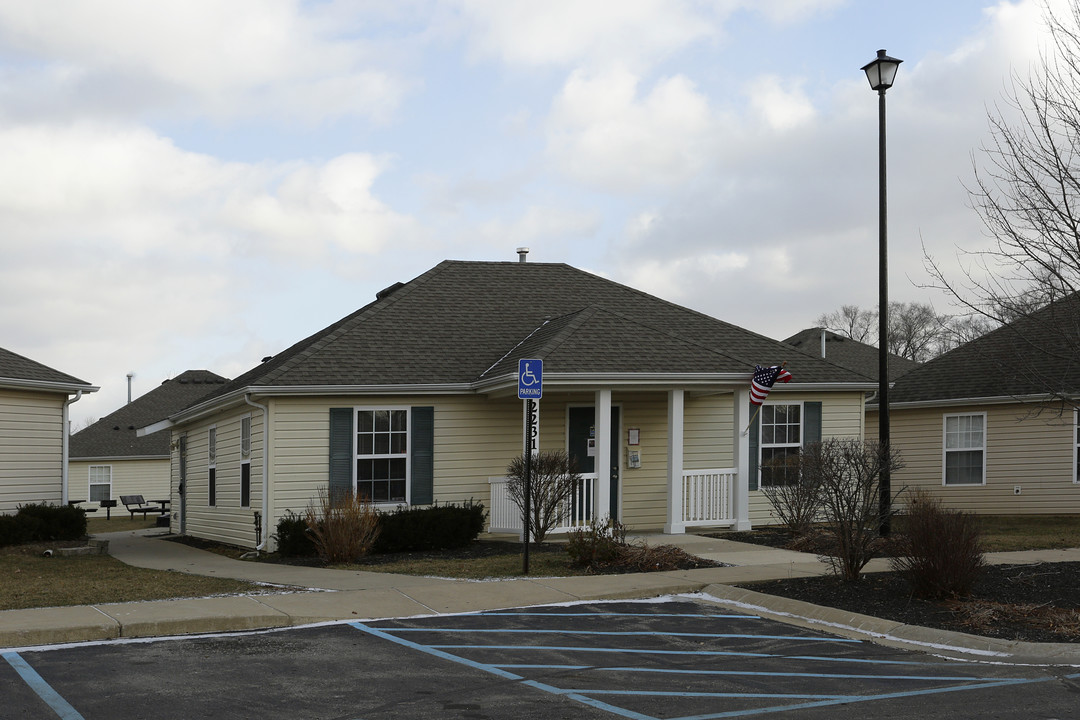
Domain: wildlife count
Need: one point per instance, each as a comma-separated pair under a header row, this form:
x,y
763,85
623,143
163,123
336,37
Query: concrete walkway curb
x,y
315,595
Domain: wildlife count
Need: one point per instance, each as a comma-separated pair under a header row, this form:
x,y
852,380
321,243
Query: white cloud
x,y
603,133
228,59
568,32
781,108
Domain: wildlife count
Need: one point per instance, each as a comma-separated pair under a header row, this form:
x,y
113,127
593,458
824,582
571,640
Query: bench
x,y
136,503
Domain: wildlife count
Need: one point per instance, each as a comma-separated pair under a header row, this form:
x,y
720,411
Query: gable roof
x,y
852,354
463,326
114,436
1035,356
21,372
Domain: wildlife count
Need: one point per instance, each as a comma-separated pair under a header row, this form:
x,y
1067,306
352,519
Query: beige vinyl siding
x,y
31,448
1023,448
226,521
842,416
149,478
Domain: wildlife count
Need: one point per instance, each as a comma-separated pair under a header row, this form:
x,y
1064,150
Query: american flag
x,y
764,379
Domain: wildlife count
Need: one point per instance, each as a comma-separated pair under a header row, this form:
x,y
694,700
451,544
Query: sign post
x,y
530,389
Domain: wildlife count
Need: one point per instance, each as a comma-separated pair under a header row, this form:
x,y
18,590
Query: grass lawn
x,y
1002,533
31,580
95,525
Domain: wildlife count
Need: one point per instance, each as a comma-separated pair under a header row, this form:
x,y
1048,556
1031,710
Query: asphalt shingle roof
x,y
852,354
1035,355
17,367
114,435
461,322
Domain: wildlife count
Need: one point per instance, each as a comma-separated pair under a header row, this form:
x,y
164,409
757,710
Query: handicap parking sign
x,y
530,379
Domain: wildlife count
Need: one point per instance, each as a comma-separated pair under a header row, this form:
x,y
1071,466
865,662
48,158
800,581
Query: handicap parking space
x,y
679,658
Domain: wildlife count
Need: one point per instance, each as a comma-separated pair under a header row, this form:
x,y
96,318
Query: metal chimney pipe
x,y
129,376
522,252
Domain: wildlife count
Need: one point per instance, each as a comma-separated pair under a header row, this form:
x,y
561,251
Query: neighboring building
x,y
107,459
413,400
34,402
848,353
990,427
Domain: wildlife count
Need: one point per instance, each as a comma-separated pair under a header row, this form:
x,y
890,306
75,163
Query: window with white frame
x,y
245,436
1076,446
382,460
100,483
211,489
780,441
245,461
965,449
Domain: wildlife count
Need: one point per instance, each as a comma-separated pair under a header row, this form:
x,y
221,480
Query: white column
x,y
602,461
676,404
740,499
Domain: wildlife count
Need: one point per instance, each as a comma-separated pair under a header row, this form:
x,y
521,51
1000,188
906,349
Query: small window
x,y
245,436
211,483
965,449
245,484
100,483
781,442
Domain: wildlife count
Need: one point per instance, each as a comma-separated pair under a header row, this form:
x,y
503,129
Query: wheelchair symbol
x,y
527,377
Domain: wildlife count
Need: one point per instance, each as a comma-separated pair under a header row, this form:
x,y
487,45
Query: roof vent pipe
x,y
129,376
823,331
522,252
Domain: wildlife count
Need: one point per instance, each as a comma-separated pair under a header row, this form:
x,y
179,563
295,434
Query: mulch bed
x,y
1034,603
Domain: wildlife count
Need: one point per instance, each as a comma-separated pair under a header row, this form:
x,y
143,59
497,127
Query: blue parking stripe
x,y
867,698
632,651
502,673
44,691
622,615
748,673
627,633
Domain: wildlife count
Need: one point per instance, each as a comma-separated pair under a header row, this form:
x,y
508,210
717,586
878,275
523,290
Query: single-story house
x,y
34,401
991,426
848,353
108,459
413,399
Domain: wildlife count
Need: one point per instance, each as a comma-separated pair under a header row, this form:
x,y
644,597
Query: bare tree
x,y
554,479
916,331
1027,190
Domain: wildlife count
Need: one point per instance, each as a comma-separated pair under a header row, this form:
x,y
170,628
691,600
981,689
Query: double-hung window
x,y
965,449
100,483
245,461
382,454
1076,446
781,441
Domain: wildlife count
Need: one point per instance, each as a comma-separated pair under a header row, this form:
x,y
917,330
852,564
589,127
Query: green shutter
x,y
755,433
422,456
811,423
341,452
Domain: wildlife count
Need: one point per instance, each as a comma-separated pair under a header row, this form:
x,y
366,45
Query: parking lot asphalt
x,y
684,658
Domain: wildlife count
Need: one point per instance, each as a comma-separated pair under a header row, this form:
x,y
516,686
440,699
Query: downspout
x,y
265,471
64,419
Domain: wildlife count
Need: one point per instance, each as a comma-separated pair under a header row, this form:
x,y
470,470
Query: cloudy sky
x,y
198,184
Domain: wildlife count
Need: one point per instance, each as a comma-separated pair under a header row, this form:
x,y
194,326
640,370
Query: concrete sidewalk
x,y
313,595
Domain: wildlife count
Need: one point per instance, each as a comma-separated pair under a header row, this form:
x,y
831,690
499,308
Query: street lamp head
x,y
881,71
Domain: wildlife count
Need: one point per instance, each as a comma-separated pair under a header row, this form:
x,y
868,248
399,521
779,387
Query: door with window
x,y
582,429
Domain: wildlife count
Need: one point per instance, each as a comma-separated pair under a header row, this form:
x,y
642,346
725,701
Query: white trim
x,y
945,449
676,419
761,434
45,386
962,402
1076,447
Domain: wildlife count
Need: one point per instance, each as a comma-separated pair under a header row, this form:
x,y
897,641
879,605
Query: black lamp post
x,y
881,72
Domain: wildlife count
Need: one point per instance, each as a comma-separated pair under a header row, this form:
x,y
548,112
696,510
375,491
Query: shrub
x,y
12,532
554,480
598,543
797,503
343,528
847,471
292,536
41,521
940,552
430,528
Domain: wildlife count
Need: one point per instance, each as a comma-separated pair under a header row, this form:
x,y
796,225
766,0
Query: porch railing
x,y
576,511
707,498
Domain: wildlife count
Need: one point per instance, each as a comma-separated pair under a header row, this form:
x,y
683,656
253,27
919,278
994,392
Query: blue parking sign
x,y
530,379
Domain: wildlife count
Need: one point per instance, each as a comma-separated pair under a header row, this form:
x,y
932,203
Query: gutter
x,y
46,386
64,447
265,472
